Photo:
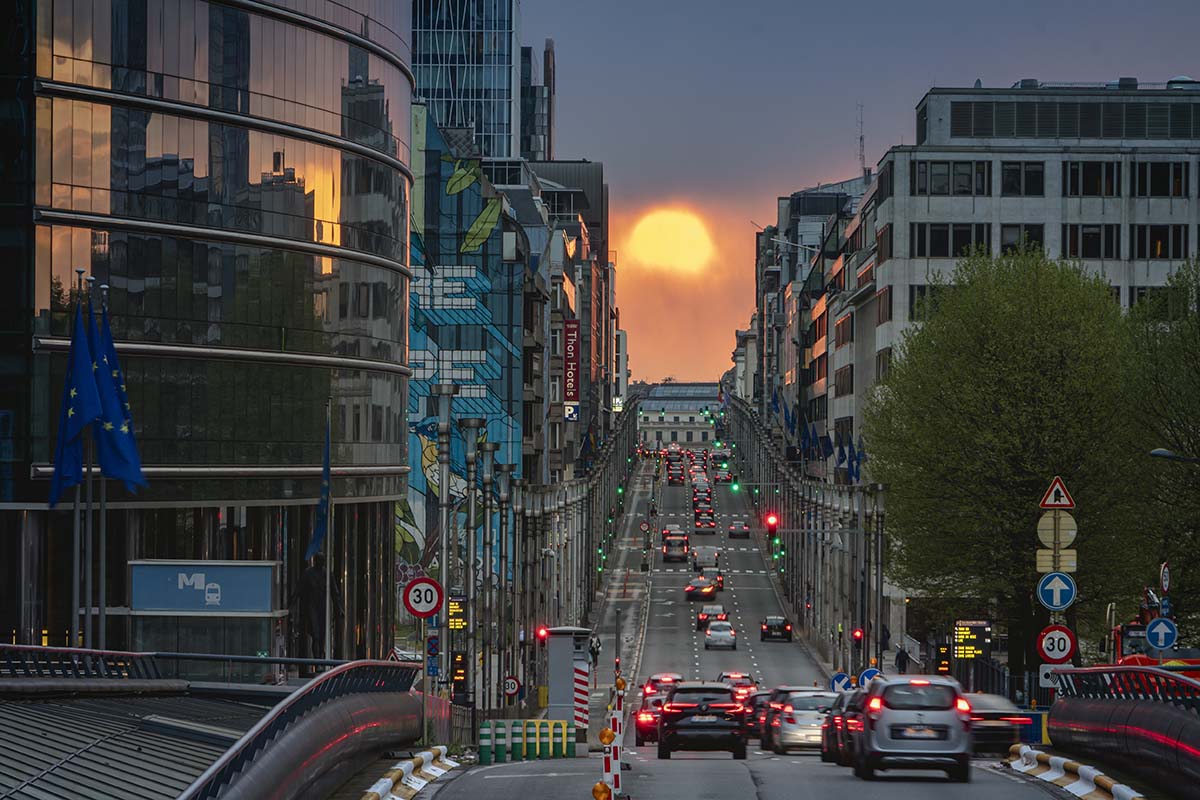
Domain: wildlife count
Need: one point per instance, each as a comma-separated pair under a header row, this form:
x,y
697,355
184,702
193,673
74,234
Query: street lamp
x,y
1162,452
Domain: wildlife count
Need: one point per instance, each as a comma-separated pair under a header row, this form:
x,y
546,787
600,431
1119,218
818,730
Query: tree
x,y
1166,334
1020,373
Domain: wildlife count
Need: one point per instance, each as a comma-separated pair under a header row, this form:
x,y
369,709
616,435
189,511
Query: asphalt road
x,y
673,645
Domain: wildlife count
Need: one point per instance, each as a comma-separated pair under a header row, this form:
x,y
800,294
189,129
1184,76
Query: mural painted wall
x,y
465,309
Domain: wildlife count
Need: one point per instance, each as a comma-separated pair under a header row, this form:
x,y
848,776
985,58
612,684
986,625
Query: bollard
x,y
570,748
606,769
544,739
529,734
485,743
517,740
558,745
499,742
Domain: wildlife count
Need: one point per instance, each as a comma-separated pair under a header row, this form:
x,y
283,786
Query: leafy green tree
x,y
1020,372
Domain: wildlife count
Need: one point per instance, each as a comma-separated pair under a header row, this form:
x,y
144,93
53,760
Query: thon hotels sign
x,y
571,360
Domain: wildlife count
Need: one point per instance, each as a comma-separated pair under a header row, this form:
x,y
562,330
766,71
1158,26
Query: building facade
x,y
239,178
466,59
684,413
537,103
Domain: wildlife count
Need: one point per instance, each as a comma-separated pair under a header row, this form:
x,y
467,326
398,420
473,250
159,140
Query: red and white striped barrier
x,y
582,696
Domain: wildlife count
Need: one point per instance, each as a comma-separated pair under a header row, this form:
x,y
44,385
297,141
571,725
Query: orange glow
x,y
675,240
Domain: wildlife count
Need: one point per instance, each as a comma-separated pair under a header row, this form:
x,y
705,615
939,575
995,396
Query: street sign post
x,y
1056,591
1057,529
1056,644
511,686
423,597
1046,678
1164,577
867,675
840,682
1162,634
1057,496
1056,560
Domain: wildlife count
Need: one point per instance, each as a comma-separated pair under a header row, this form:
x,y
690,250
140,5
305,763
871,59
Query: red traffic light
x,y
857,634
772,519
543,632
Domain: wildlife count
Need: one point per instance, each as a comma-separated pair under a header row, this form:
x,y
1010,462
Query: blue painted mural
x,y
465,327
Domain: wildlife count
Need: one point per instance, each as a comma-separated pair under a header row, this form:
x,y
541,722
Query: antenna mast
x,y
862,151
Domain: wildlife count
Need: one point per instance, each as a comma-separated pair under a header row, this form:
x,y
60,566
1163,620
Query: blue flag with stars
x,y
852,464
321,525
115,448
80,407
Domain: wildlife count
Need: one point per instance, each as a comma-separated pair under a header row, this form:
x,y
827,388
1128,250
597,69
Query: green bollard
x,y
485,743
516,740
570,741
499,742
543,739
558,739
529,734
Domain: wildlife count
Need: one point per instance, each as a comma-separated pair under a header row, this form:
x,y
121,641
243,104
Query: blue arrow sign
x,y
866,675
840,682
1056,591
1162,633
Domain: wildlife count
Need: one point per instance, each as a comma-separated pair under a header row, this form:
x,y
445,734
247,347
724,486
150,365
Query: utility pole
x,y
444,393
469,428
489,464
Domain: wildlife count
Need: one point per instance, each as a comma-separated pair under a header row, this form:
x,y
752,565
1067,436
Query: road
x,y
673,645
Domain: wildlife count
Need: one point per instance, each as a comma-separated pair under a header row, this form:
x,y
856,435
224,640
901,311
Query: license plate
x,y
704,718
919,733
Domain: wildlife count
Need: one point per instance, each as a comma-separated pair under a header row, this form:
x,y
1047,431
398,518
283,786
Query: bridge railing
x,y
26,661
1130,683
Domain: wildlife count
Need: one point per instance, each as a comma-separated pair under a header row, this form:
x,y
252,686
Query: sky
x,y
720,108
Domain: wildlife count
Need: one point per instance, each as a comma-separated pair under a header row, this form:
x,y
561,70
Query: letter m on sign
x,y
195,580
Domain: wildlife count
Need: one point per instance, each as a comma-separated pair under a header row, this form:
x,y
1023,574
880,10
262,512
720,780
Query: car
x,y
741,683
775,704
755,704
798,723
995,723
739,530
722,634
699,589
831,729
671,527
705,556
659,682
775,627
852,722
914,723
702,716
675,547
715,575
722,476
674,479
645,724
709,613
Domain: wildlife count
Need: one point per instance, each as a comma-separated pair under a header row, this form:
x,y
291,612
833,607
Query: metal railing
x,y
354,677
1129,683
28,661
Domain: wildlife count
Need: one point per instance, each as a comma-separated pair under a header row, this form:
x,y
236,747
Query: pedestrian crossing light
x,y
857,635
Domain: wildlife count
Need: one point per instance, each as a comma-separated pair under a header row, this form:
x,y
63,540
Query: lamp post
x,y
489,640
469,428
444,393
513,619
1162,452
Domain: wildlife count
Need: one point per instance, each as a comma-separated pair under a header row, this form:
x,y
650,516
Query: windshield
x,y
919,697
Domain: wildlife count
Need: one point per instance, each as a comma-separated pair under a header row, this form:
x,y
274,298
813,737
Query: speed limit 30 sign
x,y
1056,644
423,597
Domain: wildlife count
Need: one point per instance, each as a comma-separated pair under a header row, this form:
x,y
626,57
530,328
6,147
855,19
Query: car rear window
x,y
719,626
702,696
810,702
919,697
774,620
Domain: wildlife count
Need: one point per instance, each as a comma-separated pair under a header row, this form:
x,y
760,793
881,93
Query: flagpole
x,y
103,518
76,538
88,556
328,546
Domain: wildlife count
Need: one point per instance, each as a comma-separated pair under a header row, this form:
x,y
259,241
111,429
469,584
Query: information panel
x,y
456,610
972,638
943,659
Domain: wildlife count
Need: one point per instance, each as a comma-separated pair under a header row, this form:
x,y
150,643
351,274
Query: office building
x,y
684,413
238,175
537,104
466,59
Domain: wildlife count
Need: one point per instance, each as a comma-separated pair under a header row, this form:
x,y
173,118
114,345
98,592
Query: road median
x,y
1079,779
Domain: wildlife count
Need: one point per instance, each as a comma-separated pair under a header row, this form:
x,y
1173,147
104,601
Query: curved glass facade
x,y
237,174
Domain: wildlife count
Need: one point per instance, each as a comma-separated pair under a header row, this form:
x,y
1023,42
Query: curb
x,y
411,775
1078,779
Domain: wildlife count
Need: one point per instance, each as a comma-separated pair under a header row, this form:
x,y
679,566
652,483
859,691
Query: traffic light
x,y
735,487
620,490
857,636
543,633
772,520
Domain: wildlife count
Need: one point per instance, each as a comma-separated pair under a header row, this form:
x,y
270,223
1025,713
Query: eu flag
x,y
804,441
826,446
841,453
80,406
115,447
852,464
321,525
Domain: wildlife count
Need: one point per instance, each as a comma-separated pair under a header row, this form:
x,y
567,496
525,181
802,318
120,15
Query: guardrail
x,y
1146,720
355,677
27,661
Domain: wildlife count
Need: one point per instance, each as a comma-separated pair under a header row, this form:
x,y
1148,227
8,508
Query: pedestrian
x,y
902,660
594,652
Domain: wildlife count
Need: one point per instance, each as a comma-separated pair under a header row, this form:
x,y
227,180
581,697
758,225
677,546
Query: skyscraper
x,y
537,104
466,62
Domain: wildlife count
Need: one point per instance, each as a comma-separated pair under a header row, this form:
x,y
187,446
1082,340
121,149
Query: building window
x,y
691,419
939,177
556,390
843,381
883,305
555,435
821,367
1091,241
843,330
1012,235
1091,178
821,327
676,419
883,184
1022,179
939,240
946,240
922,301
922,125
555,342
674,436
1159,241
943,178
883,362
883,245
689,436
704,436
1160,178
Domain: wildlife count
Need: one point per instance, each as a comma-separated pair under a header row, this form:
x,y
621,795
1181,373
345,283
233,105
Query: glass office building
x,y
466,57
238,174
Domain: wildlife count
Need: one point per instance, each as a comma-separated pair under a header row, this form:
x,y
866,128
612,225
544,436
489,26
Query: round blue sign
x,y
840,682
866,675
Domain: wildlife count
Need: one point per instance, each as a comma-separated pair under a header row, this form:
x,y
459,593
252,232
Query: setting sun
x,y
671,239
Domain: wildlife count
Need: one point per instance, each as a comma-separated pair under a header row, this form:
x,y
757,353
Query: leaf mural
x,y
462,177
482,227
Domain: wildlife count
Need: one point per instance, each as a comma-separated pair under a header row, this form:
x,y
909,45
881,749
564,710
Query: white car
x,y
800,720
720,634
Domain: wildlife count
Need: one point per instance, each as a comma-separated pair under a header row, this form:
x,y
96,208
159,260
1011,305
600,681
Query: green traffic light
x,y
736,487
756,490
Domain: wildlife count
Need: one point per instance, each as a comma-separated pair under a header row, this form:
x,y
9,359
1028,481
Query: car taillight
x,y
704,616
649,689
735,708
963,706
853,724
677,706
790,720
1018,720
764,627
708,633
645,716
787,627
776,706
664,548
876,704
919,682
976,719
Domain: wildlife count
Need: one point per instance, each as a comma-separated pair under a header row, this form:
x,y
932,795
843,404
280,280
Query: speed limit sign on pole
x,y
423,597
511,686
1056,644
645,526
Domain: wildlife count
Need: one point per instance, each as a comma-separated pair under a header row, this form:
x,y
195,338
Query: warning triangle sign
x,y
1057,495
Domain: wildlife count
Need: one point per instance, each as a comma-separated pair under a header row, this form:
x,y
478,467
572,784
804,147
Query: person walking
x,y
902,660
594,652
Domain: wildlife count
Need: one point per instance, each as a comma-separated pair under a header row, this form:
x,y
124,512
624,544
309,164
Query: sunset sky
x,y
718,108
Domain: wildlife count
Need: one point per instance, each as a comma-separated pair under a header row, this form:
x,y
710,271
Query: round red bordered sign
x,y
423,597
1056,644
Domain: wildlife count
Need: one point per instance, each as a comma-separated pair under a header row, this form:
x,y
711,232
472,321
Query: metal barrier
x,y
355,677
1143,719
28,661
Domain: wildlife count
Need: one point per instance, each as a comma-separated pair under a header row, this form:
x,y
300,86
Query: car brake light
x,y
764,627
667,679
677,706
1017,720
788,709
776,706
919,682
708,633
787,627
790,720
645,716
854,724
963,706
664,548
704,616
875,704
649,689
976,719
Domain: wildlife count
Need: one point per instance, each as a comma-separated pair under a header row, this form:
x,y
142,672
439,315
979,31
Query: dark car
x,y
831,729
715,575
775,627
702,716
675,547
645,724
700,589
709,613
852,725
756,705
739,530
995,723
723,476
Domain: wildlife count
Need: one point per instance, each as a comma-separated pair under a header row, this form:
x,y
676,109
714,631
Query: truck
x,y
1128,646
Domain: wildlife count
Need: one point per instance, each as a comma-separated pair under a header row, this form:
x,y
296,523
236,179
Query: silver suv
x,y
915,722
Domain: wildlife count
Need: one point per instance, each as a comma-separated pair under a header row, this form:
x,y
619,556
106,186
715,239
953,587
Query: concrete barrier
x,y
1078,779
411,775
